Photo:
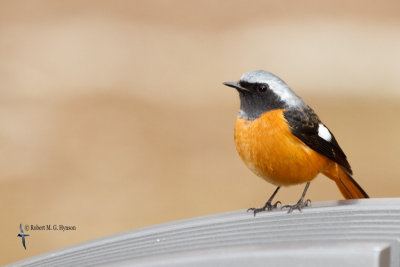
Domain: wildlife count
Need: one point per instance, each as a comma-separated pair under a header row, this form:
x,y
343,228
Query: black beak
x,y
236,85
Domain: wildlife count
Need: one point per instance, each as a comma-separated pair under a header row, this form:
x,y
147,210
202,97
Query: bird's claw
x,y
298,206
268,206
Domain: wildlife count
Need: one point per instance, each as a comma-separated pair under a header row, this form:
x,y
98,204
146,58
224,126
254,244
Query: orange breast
x,y
271,151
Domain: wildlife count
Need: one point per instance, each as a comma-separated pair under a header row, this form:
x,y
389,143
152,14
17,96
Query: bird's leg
x,y
300,204
268,205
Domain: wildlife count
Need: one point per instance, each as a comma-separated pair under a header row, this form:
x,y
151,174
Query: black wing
x,y
304,124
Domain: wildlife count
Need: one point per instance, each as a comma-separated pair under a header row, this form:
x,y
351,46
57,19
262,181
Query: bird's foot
x,y
268,206
298,206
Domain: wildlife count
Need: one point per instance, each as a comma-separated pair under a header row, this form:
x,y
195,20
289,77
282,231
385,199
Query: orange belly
x,y
271,151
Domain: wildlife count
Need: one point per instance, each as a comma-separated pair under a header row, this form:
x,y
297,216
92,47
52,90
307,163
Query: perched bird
x,y
22,235
281,139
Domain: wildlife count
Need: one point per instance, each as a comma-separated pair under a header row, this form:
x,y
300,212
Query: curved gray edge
x,y
336,233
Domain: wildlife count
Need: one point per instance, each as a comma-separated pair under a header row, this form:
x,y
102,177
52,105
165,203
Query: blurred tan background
x,y
113,114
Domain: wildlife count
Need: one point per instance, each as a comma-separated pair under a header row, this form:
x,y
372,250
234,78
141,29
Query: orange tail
x,y
347,185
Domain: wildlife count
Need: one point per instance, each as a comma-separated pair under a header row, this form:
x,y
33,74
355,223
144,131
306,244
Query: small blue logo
x,y
22,235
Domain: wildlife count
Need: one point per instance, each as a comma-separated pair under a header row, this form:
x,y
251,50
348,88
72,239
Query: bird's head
x,y
261,91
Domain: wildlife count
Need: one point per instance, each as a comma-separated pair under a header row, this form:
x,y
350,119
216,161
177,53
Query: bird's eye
x,y
262,88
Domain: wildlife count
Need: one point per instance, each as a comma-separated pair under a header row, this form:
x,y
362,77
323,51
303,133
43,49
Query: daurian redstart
x,y
282,140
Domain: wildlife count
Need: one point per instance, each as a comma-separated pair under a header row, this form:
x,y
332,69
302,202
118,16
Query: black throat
x,y
254,104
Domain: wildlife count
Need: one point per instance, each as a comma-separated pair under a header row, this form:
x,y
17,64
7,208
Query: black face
x,y
255,87
256,99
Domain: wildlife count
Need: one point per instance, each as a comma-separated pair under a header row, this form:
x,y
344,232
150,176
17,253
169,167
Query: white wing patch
x,y
324,133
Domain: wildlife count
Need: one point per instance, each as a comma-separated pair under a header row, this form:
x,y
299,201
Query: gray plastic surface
x,y
335,233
